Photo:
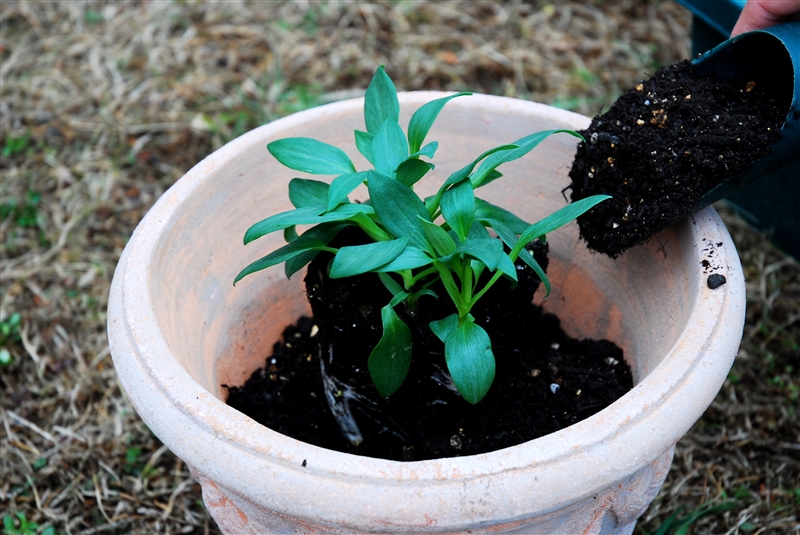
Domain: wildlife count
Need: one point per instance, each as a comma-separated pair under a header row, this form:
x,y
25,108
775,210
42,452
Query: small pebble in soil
x,y
554,388
611,361
455,442
715,280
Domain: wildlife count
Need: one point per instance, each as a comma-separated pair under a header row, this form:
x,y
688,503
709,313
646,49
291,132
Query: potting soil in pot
x,y
544,381
664,144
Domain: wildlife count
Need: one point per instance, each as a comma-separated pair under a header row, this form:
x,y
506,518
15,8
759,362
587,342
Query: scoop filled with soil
x,y
691,134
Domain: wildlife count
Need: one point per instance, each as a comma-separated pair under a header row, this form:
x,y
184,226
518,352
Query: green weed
x,y
24,527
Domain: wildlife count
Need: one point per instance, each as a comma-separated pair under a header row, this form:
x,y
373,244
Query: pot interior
x,y
220,334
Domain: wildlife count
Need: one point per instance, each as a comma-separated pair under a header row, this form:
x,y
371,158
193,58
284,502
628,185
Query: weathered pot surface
x,y
178,330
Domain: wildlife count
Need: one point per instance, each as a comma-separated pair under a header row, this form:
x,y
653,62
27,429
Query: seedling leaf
x,y
398,208
470,361
380,101
423,119
311,156
288,251
358,259
304,192
389,147
342,186
458,208
390,360
411,171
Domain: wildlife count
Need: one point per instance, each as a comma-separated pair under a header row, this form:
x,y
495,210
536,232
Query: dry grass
x,y
104,105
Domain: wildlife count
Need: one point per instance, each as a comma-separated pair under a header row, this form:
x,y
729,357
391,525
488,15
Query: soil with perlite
x,y
663,145
544,382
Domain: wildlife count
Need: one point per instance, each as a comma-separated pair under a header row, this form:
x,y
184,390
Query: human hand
x,y
759,14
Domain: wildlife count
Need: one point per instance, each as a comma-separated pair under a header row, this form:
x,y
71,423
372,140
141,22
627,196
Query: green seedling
x,y
415,242
9,329
24,527
16,145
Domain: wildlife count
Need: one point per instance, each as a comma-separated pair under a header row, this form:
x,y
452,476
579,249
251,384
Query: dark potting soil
x,y
663,145
544,382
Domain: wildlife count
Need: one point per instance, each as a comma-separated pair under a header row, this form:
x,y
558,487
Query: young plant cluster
x,y
415,242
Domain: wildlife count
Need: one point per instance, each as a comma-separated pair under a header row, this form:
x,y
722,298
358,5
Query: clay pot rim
x,y
602,436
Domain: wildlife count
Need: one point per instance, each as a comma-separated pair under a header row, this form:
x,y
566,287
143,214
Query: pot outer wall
x,y
178,330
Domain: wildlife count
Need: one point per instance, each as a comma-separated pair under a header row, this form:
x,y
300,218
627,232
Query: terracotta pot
x,y
178,330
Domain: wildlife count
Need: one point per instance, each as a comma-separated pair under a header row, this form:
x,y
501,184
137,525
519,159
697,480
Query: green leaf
x,y
324,232
364,144
390,284
470,361
311,156
390,360
525,144
428,150
288,251
389,147
491,177
410,258
290,234
380,101
358,259
458,208
298,216
478,232
443,327
342,186
310,215
555,220
443,244
528,258
489,214
489,251
432,202
423,119
304,192
507,267
370,227
411,171
398,208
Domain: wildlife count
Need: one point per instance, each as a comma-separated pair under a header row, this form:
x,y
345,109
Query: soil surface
x,y
545,380
663,145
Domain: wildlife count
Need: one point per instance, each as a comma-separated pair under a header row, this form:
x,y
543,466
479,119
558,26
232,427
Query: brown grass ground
x,y
105,105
